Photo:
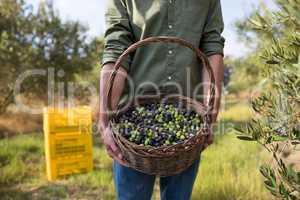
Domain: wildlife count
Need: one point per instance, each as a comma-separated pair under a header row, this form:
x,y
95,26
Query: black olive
x,y
168,116
157,124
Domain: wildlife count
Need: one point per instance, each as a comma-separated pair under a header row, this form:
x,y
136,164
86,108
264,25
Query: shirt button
x,y
169,77
170,52
170,26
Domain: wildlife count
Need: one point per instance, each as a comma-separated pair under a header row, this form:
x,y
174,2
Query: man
x,y
128,21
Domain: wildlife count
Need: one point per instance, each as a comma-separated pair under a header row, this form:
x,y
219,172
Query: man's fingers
x,y
111,143
115,157
114,147
210,139
115,150
109,152
111,147
122,162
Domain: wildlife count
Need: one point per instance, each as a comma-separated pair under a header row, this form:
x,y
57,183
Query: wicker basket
x,y
164,160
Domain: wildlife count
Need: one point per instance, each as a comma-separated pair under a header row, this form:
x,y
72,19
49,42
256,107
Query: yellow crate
x,y
68,141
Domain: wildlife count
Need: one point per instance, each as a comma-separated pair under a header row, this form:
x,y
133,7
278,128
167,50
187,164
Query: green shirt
x,y
199,22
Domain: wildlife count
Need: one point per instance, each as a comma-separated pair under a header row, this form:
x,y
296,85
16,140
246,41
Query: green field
x,y
228,170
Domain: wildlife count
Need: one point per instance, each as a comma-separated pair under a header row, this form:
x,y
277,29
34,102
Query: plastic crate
x,y
68,141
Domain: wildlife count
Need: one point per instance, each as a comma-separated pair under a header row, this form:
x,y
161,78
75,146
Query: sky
x,y
91,13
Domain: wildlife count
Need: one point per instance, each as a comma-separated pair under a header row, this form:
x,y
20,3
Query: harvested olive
x,y
158,124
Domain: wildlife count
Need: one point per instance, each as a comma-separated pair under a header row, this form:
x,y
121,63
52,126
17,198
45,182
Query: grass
x,y
236,113
22,173
228,170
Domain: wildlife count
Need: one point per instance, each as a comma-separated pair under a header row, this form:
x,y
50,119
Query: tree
x,y
277,120
40,40
245,76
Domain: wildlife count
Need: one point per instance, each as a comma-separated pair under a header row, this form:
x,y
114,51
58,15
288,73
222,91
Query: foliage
x,y
247,69
278,108
40,40
245,76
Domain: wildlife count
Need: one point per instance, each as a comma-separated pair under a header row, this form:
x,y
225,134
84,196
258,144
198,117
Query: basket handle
x,y
201,56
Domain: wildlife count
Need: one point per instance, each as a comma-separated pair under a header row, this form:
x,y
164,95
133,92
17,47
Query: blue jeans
x,y
133,185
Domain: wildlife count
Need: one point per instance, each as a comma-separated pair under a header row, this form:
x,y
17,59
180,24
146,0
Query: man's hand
x,y
216,62
111,147
118,86
209,139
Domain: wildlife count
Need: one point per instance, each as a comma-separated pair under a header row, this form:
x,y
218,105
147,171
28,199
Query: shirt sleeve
x,y
212,41
118,35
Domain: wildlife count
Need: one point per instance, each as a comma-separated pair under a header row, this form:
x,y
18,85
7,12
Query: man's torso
x,y
166,64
